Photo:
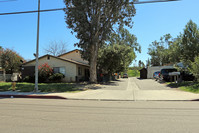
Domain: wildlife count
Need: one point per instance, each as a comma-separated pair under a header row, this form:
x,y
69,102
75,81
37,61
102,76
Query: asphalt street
x,y
79,116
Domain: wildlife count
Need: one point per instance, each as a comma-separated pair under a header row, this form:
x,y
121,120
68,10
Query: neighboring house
x,y
70,64
74,55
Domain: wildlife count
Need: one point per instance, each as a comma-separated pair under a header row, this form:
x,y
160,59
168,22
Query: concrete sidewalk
x,y
124,89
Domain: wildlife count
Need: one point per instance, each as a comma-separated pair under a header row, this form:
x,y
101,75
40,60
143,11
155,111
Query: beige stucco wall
x,y
76,56
70,68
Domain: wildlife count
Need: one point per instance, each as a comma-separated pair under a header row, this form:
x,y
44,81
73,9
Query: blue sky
x,y
18,32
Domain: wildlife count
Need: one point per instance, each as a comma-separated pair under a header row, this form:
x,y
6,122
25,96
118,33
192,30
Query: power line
x,y
8,0
153,1
48,10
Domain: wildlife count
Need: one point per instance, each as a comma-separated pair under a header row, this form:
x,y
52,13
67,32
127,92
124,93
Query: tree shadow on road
x,y
141,79
111,83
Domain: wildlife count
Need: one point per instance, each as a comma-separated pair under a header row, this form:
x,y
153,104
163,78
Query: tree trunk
x,y
93,64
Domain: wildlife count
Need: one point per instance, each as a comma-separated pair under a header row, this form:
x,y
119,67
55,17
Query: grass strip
x,y
43,87
188,86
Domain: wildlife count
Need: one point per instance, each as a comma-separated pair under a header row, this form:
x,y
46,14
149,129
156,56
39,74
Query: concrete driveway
x,y
125,89
150,84
132,89
150,89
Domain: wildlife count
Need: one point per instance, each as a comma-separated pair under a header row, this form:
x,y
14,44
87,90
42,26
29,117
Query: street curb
x,y
59,97
32,96
194,100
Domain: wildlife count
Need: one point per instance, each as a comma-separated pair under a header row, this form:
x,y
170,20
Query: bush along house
x,y
70,64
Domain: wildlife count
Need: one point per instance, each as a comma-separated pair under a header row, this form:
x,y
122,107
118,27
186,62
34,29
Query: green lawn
x,y
43,87
186,86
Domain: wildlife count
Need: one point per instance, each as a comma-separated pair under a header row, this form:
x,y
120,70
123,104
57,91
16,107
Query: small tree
x,y
10,60
115,58
119,53
45,71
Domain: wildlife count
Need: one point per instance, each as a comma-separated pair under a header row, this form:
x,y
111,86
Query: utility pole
x,y
37,50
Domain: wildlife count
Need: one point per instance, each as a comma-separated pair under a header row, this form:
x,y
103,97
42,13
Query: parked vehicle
x,y
164,73
156,75
125,75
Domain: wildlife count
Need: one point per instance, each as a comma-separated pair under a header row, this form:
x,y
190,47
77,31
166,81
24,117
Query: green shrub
x,y
57,77
26,79
30,79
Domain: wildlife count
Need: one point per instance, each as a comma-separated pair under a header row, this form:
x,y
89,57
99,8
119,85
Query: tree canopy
x,y
93,21
115,58
184,48
190,42
158,50
11,61
119,52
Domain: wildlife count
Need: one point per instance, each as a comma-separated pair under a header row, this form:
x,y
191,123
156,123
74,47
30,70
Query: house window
x,y
56,69
62,70
79,71
59,70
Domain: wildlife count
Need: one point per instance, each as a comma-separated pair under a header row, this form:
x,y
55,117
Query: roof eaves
x,y
68,52
71,61
35,59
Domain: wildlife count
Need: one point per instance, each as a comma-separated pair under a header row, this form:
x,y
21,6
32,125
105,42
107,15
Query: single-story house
x,y
70,64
